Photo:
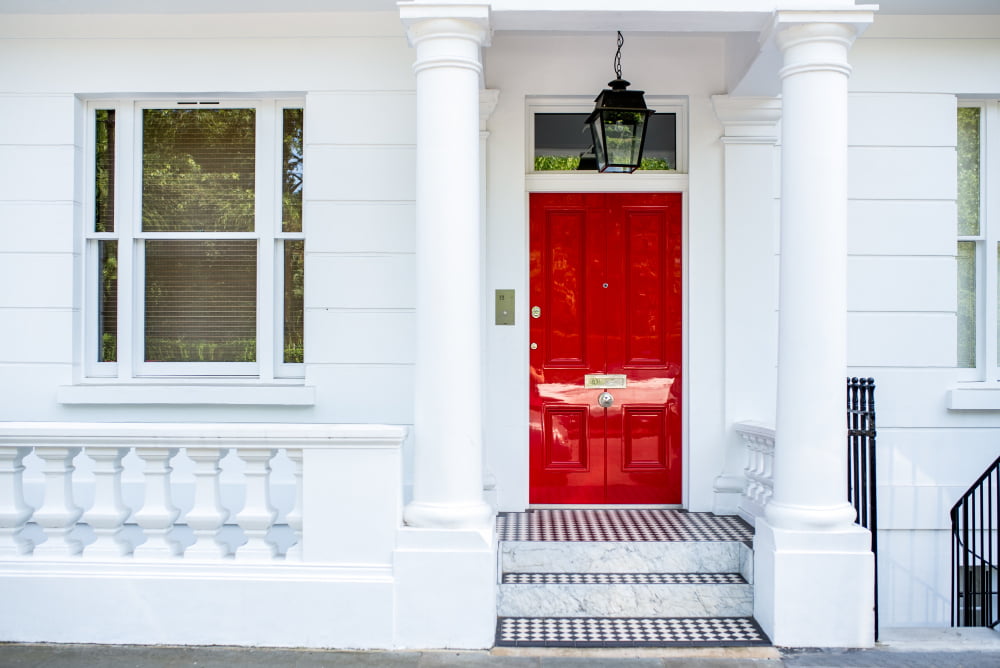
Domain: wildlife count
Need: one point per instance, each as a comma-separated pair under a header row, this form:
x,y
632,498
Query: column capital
x,y
443,19
816,41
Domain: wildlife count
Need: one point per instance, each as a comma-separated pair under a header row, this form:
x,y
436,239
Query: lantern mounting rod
x,y
618,56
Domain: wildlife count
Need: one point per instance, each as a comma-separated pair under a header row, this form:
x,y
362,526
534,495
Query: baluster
x,y
58,514
257,516
158,513
108,513
767,471
294,517
14,512
207,516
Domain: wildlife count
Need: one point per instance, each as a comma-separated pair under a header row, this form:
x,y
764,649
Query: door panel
x,y
606,299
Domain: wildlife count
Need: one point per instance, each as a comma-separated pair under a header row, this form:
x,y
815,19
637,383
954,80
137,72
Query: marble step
x,y
626,557
624,595
630,632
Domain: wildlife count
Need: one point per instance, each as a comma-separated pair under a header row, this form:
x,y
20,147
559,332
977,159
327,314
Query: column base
x,y
810,518
448,515
814,588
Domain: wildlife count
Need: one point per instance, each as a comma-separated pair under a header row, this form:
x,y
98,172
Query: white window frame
x,y
987,242
130,366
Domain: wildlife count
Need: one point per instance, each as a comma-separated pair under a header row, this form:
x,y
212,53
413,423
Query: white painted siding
x,y
354,71
908,74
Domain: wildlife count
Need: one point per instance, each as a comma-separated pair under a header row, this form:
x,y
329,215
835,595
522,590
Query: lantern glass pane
x,y
623,139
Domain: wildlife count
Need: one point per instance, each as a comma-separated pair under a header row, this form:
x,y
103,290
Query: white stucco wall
x,y
908,74
358,198
360,299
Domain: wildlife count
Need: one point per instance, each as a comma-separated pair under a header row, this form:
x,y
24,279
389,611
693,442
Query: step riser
x,y
625,600
652,557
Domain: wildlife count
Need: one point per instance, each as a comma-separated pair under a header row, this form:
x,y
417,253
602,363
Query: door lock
x,y
605,400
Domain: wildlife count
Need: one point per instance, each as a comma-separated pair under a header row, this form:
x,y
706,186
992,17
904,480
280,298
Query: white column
x,y
815,565
448,475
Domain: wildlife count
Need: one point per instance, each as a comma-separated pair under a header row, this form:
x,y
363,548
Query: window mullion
x,y
268,218
990,217
126,208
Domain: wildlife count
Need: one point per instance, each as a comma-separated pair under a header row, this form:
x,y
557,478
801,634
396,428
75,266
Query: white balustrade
x,y
58,513
108,513
758,488
257,516
14,512
120,455
157,515
207,517
294,516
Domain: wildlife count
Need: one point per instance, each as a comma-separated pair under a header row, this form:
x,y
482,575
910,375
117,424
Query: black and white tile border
x,y
592,632
621,525
623,578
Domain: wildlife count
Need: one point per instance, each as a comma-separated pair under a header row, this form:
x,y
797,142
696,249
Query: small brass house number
x,y
605,381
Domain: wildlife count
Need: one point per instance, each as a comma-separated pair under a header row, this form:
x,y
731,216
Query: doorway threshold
x,y
605,506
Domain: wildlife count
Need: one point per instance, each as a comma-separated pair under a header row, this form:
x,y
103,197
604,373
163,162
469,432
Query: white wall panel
x,y
352,227
361,118
901,339
901,173
36,335
360,281
914,569
36,280
360,173
900,227
919,507
92,66
359,337
37,227
961,66
893,119
953,457
378,394
34,119
901,284
37,173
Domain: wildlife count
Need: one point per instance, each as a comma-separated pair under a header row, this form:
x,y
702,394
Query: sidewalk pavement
x,y
902,648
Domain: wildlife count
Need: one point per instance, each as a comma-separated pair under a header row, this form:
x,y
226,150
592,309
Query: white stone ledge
x,y
176,394
984,398
187,569
71,434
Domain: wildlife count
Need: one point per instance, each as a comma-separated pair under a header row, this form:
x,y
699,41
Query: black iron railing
x,y
861,461
975,549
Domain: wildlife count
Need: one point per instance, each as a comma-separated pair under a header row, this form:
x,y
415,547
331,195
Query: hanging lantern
x,y
618,123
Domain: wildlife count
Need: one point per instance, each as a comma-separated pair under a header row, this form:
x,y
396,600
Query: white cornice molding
x,y
748,119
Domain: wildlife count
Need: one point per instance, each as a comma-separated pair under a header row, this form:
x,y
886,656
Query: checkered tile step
x,y
623,578
621,525
628,632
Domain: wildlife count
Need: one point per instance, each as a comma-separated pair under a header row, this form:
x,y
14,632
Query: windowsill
x,y
192,394
975,397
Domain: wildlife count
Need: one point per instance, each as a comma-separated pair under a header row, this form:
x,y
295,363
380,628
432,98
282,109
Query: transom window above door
x,y
560,141
194,243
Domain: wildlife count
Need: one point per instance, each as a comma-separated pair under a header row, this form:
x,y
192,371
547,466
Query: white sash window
x,y
194,243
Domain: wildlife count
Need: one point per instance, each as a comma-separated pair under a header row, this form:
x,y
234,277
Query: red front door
x,y
605,318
